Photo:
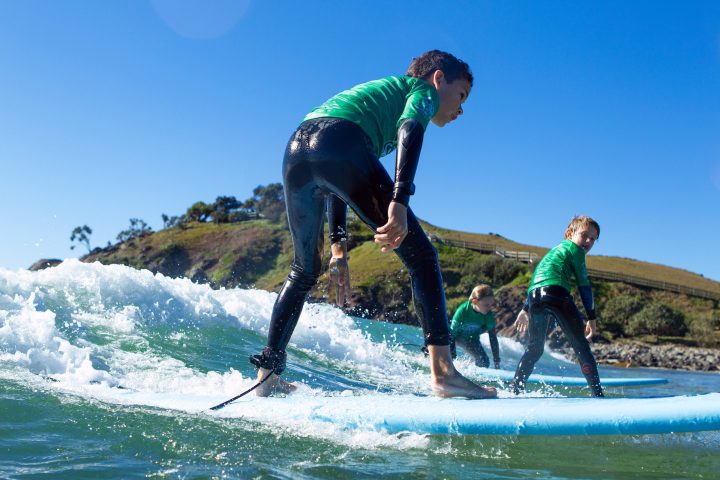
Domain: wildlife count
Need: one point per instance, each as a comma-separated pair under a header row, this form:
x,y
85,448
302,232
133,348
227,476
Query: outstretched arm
x,y
337,218
339,269
494,347
410,139
587,299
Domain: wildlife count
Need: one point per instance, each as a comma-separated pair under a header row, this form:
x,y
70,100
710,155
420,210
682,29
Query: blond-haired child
x,y
549,297
473,318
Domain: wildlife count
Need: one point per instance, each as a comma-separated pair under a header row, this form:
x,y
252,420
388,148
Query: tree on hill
x,y
268,201
174,221
199,212
224,208
81,235
138,228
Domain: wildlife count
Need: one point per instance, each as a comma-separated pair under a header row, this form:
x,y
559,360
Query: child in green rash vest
x,y
331,162
549,297
472,319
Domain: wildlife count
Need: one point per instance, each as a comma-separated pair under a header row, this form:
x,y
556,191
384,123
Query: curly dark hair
x,y
453,68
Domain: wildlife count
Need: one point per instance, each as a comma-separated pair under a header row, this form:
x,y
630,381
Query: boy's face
x,y
482,305
452,96
584,237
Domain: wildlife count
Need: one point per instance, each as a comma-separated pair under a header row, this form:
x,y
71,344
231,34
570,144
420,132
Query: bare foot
x,y
459,386
447,381
272,385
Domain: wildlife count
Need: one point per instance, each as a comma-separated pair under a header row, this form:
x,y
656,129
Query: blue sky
x,y
130,109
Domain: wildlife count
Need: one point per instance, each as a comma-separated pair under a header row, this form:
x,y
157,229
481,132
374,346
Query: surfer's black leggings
x,y
474,348
546,303
334,156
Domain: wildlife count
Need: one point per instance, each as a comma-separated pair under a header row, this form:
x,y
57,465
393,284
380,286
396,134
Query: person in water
x,y
473,318
549,297
332,161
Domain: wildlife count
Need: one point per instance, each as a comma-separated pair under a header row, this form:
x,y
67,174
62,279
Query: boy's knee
x,y
439,338
303,278
534,352
417,249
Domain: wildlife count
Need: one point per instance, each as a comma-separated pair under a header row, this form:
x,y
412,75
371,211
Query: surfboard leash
x,y
228,402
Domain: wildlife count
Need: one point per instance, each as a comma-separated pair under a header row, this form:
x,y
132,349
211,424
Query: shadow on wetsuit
x,y
546,303
333,158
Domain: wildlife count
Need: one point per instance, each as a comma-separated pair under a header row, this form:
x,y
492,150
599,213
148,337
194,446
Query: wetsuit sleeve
x,y
526,305
587,300
494,345
337,218
584,285
410,140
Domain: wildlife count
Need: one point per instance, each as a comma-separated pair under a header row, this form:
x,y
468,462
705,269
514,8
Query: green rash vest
x,y
468,324
559,265
380,106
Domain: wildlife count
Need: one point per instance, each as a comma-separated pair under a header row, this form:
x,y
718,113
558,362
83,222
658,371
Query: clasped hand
x,y
392,234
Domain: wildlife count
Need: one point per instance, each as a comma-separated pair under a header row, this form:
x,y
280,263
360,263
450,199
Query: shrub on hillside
x,y
703,327
617,312
657,319
490,269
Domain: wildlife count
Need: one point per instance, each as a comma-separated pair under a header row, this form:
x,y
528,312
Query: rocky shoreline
x,y
636,354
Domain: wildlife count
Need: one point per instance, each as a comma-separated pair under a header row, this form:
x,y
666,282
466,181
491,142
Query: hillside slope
x,y
258,253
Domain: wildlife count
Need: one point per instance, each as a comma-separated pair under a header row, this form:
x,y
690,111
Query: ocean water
x,y
98,364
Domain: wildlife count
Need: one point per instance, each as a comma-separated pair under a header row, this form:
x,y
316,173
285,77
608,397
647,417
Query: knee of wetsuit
x,y
425,252
440,339
535,351
270,359
420,254
304,280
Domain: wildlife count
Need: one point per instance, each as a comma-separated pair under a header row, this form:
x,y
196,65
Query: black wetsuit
x,y
544,304
333,159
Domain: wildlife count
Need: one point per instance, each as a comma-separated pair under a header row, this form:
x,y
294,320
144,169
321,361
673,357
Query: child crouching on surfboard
x,y
549,297
473,318
332,159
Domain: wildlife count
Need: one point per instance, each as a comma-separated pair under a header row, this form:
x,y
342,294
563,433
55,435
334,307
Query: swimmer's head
x,y
451,78
452,67
482,298
583,231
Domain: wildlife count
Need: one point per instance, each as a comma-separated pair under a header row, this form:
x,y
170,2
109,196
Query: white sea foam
x,y
44,314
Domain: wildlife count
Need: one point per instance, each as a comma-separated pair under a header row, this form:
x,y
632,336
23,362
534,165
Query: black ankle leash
x,y
227,402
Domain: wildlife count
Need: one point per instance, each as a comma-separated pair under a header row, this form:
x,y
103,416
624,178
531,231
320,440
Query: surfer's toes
x,y
476,392
488,392
285,387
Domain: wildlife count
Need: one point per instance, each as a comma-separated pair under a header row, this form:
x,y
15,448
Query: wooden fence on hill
x,y
490,249
644,282
531,258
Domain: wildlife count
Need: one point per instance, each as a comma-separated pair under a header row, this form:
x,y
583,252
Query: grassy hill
x,y
257,253
624,266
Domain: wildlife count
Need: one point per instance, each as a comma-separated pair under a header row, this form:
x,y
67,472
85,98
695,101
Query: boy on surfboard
x,y
473,318
549,297
333,159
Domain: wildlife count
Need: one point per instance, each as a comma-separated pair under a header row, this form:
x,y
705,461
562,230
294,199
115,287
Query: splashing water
x,y
136,358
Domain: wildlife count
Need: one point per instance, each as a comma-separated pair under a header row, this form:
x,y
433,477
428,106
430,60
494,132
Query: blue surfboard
x,y
508,416
394,413
490,375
